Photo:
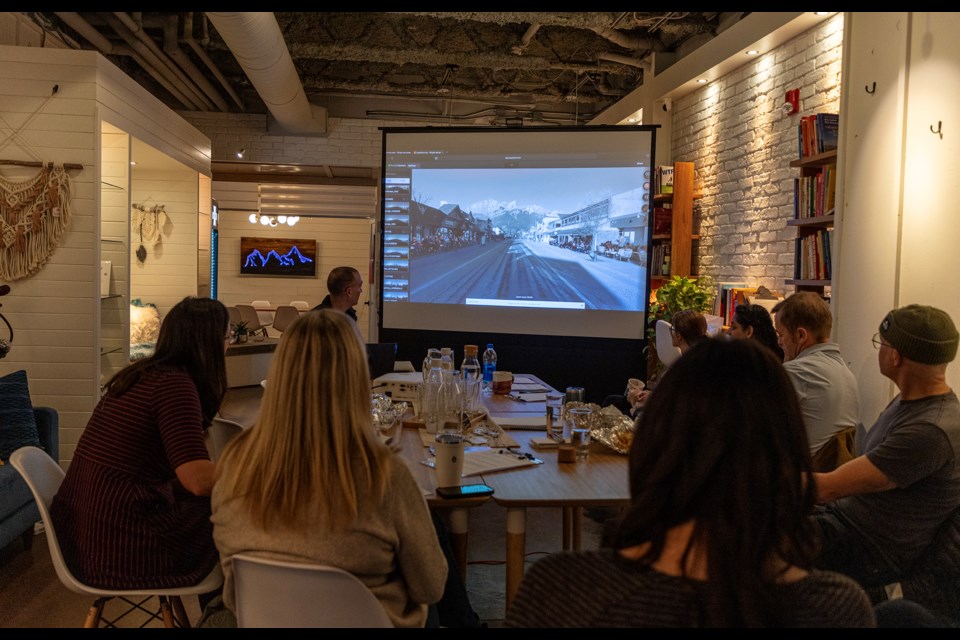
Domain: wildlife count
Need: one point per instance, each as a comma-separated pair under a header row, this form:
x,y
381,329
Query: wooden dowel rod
x,y
32,163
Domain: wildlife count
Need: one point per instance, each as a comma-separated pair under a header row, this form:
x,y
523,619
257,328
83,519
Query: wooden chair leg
x,y
95,613
167,612
180,612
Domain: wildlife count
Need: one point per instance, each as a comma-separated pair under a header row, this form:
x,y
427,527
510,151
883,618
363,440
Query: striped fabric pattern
x,y
122,518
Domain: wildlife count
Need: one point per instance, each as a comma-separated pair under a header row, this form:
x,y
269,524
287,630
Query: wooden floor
x,y
31,595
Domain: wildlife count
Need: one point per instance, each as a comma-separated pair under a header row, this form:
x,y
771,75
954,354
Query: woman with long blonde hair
x,y
310,480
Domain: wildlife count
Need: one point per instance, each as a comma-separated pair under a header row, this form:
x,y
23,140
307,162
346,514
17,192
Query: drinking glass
x,y
578,423
554,405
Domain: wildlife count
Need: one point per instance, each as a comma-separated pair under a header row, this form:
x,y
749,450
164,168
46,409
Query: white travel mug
x,y
449,459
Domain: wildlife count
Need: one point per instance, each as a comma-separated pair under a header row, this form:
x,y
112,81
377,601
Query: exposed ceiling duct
x,y
257,42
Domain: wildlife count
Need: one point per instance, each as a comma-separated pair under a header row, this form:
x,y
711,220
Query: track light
x,y
240,153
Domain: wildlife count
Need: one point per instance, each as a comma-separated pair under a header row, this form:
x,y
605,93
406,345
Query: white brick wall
x,y
741,144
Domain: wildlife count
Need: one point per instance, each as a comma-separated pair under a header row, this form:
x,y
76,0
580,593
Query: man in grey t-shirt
x,y
825,386
885,506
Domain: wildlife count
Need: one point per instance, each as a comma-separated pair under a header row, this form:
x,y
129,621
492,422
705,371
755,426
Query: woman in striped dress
x,y
134,508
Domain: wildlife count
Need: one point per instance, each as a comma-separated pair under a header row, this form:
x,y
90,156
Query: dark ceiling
x,y
469,67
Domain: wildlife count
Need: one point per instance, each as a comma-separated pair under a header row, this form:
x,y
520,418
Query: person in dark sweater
x,y
718,530
345,285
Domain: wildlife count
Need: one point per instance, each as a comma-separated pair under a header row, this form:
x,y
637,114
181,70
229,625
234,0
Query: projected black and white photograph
x,y
548,238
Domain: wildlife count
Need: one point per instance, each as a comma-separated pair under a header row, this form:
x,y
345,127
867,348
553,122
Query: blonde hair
x,y
313,442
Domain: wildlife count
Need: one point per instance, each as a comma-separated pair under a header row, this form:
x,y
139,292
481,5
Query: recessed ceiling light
x,y
752,52
133,163
702,81
821,13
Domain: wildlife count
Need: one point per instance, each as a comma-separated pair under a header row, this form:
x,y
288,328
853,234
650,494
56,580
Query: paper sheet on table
x,y
479,462
532,397
528,386
503,440
523,379
524,422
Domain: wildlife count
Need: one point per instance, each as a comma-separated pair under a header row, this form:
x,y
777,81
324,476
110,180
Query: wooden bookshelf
x,y
681,234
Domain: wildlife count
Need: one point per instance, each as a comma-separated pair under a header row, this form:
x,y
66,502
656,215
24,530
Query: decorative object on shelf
x,y
149,223
144,329
273,221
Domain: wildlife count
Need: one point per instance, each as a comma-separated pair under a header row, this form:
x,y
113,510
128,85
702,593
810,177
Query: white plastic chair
x,y
285,594
249,314
264,312
302,305
234,315
284,317
44,476
667,353
220,432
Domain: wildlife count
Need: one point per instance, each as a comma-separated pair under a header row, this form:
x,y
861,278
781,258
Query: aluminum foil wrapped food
x,y
608,426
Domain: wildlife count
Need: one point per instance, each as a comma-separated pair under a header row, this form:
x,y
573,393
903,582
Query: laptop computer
x,y
381,357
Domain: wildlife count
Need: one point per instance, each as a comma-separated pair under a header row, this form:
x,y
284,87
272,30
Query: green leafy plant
x,y
240,328
676,294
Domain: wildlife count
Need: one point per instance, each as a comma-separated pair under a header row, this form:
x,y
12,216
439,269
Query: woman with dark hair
x,y
718,531
133,511
754,321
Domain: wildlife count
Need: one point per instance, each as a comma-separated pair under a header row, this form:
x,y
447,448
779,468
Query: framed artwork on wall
x,y
286,257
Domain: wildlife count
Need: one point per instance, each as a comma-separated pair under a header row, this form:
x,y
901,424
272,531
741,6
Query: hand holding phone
x,y
465,491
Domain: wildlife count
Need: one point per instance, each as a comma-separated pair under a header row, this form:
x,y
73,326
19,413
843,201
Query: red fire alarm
x,y
791,104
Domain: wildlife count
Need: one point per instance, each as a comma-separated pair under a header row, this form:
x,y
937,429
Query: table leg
x,y
516,550
567,526
458,538
576,524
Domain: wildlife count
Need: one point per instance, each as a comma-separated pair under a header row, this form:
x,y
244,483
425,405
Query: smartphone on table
x,y
465,491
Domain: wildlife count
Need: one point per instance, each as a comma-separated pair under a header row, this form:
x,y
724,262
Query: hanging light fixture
x,y
273,221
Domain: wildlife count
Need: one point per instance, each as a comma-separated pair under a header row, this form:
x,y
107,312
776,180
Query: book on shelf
x,y
829,131
720,303
662,220
817,133
665,179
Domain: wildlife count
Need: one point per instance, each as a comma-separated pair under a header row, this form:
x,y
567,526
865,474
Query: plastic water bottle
x,y
433,394
489,366
446,359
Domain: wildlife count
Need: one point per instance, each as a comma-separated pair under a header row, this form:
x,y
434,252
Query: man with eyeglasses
x,y
345,285
884,507
827,389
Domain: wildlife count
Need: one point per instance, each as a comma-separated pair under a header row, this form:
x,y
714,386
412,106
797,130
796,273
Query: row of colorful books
x,y
817,133
815,195
812,256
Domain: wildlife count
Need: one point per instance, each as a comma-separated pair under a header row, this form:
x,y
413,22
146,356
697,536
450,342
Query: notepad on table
x,y
479,462
528,386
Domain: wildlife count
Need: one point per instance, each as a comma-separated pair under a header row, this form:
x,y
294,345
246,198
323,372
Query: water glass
x,y
554,404
578,422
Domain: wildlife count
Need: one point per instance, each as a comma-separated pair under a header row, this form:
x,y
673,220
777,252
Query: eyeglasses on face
x,y
877,343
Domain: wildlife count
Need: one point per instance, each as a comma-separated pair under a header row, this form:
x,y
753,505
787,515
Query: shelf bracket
x,y
939,129
872,88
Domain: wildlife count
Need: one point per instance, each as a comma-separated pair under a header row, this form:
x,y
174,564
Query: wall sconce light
x,y
240,153
273,221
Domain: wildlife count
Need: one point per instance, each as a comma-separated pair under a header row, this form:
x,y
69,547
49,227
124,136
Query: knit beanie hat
x,y
921,333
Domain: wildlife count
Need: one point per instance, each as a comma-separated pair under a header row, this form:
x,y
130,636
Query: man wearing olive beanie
x,y
884,507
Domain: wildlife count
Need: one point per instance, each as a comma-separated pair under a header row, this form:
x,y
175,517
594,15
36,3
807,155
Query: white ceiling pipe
x,y
257,42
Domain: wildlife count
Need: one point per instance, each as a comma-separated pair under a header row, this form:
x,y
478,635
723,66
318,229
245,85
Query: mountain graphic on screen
x,y
257,259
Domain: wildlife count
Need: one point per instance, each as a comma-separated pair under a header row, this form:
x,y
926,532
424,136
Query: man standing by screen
x,y
345,286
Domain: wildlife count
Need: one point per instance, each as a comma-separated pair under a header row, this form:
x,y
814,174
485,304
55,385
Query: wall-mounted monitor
x,y
286,257
523,231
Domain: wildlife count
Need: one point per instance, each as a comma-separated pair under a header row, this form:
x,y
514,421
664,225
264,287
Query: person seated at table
x,y
688,327
133,510
718,530
311,481
754,321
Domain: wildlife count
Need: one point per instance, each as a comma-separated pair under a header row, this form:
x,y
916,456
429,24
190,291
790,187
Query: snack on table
x,y
608,426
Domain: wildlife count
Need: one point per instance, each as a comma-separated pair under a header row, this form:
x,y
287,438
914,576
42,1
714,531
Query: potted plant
x,y
240,331
676,294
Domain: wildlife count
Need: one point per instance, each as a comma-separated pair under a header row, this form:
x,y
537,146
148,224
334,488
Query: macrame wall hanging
x,y
34,212
148,223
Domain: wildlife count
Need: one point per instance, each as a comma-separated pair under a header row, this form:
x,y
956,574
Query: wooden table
x,y
600,481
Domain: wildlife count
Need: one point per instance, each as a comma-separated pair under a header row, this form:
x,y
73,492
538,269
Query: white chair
x,y
220,432
667,353
285,594
234,315
284,317
302,305
264,312
44,476
250,316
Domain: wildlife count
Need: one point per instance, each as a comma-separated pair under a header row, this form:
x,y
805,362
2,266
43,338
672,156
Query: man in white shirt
x,y
826,388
